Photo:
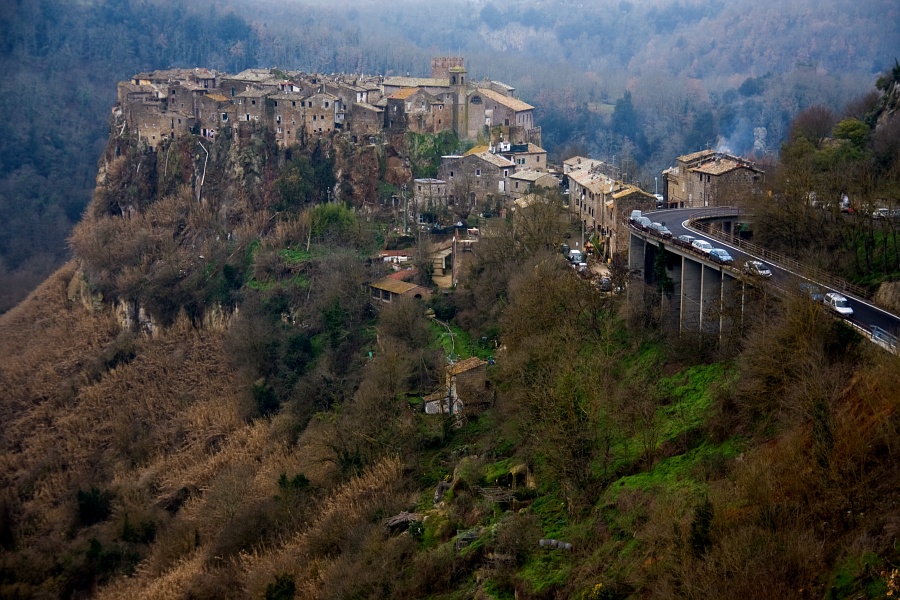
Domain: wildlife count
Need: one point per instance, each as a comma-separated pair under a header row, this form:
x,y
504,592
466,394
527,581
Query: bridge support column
x,y
690,295
636,252
710,299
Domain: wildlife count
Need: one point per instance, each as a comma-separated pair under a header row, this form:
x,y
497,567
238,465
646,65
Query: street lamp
x,y
656,184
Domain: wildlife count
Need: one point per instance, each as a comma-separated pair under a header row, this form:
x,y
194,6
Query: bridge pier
x,y
705,298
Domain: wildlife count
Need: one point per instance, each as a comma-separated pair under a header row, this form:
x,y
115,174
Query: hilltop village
x,y
492,178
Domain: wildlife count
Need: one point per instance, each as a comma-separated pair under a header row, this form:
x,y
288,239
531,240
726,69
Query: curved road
x,y
865,314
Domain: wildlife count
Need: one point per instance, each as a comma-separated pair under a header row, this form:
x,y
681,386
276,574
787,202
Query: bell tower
x,y
458,89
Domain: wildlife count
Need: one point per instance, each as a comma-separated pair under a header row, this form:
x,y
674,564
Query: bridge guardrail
x,y
819,276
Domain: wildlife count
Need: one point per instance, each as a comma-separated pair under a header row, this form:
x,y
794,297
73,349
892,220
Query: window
x,y
314,117
293,103
253,102
537,158
477,172
451,174
506,172
247,116
232,92
326,104
279,130
224,116
278,119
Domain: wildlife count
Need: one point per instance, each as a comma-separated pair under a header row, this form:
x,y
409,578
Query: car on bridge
x,y
702,246
661,229
838,304
720,256
757,269
643,223
685,241
812,291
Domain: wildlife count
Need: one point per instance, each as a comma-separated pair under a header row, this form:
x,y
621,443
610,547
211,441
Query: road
x,y
865,314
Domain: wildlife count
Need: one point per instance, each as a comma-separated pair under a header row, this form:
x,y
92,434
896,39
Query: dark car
x,y
812,291
605,284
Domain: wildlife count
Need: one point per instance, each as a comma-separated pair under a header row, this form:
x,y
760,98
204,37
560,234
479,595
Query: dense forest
x,y
635,84
204,403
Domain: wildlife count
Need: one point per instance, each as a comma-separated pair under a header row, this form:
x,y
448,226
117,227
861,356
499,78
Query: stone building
x,y
476,180
709,178
523,182
415,110
430,195
602,203
388,289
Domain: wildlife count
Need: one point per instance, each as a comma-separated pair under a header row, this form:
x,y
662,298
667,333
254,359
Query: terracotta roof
x,y
404,93
403,275
513,103
465,365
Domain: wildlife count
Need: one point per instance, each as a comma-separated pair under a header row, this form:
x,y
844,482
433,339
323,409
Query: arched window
x,y
476,100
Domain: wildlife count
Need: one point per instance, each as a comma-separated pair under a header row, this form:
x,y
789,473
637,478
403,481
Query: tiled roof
x,y
689,158
415,82
465,365
404,93
721,166
393,286
495,159
513,103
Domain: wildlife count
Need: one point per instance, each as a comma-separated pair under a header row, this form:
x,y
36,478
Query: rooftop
x,y
512,103
415,82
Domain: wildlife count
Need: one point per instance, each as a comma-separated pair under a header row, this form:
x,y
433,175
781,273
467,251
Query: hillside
x,y
205,404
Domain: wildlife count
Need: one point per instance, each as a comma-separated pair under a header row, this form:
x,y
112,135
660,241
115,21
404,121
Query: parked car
x,y
605,284
643,222
702,246
661,229
636,214
838,304
564,250
812,291
685,240
576,256
757,269
720,256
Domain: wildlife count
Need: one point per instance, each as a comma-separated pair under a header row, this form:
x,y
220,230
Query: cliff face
x,y
208,277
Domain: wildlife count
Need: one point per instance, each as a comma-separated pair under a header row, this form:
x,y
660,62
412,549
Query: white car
x,y
702,246
838,304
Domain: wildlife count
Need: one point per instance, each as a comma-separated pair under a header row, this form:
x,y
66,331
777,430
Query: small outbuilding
x,y
388,289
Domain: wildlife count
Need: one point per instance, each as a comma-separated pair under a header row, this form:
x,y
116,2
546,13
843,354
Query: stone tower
x,y
457,75
441,65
